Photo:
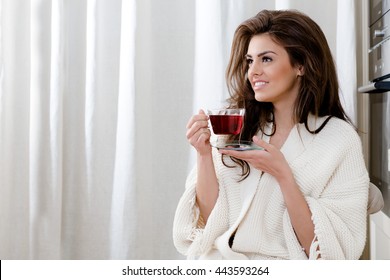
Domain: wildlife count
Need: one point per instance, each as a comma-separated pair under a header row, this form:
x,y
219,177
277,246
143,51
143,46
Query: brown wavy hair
x,y
306,46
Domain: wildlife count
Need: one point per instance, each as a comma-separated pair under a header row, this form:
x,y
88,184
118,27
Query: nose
x,y
255,69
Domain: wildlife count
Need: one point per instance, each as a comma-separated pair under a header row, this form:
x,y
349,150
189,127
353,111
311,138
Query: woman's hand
x,y
207,188
198,133
270,160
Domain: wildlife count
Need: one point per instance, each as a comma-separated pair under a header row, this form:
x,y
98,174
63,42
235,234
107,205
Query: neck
x,y
284,123
284,109
284,118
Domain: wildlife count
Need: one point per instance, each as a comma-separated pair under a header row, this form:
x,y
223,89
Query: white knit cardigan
x,y
330,171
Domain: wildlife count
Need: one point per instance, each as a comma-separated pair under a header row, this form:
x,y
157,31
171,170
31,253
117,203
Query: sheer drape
x,y
94,99
67,109
346,56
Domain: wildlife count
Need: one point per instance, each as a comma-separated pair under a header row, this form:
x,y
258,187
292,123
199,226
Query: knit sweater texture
x,y
330,171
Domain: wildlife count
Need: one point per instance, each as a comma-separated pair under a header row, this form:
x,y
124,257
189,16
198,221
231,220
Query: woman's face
x,y
270,72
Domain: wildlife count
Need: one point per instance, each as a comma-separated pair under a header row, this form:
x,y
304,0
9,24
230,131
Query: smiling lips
x,y
259,84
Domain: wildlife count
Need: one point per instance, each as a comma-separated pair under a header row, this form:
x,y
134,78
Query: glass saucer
x,y
236,145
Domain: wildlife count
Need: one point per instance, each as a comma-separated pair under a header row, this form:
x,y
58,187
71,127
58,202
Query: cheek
x,y
284,71
286,75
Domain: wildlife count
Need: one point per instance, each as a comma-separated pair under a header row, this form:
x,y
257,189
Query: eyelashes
x,y
264,59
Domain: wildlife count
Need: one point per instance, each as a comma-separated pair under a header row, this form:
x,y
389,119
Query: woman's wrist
x,y
204,153
286,178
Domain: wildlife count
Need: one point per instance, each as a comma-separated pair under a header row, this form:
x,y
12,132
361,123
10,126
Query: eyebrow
x,y
260,54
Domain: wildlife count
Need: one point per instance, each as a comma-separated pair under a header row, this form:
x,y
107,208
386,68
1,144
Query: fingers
x,y
203,136
196,127
196,118
244,155
251,155
201,116
198,132
199,136
260,142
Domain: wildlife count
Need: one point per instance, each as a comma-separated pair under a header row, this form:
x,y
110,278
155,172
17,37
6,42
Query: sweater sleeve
x,y
339,213
190,237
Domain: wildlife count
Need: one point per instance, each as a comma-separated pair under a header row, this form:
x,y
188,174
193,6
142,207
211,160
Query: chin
x,y
261,98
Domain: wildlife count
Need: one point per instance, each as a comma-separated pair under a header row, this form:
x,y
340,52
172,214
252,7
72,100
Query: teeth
x,y
260,83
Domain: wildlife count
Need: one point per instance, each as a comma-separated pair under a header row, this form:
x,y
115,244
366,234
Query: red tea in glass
x,y
226,124
226,121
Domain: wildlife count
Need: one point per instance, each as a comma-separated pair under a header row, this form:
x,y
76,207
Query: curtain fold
x,y
14,130
208,70
346,56
44,197
60,75
122,233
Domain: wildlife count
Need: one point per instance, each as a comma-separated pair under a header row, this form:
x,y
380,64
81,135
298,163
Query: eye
x,y
266,59
249,61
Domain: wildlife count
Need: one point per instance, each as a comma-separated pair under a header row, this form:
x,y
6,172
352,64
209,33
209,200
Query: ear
x,y
300,71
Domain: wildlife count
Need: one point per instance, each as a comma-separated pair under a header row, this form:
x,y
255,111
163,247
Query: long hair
x,y
306,46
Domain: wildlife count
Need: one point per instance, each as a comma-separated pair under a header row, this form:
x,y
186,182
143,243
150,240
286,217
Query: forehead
x,y
264,42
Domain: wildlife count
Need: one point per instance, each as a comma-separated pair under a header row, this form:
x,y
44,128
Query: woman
x,y
305,194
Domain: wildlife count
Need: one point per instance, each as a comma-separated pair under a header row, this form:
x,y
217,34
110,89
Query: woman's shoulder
x,y
336,128
340,126
329,123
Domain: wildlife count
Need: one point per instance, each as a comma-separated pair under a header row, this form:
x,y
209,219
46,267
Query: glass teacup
x,y
226,121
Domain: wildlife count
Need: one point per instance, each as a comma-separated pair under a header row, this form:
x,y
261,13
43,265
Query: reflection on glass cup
x,y
226,121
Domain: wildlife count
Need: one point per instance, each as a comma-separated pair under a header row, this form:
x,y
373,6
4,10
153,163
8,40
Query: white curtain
x,y
346,56
67,128
94,99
